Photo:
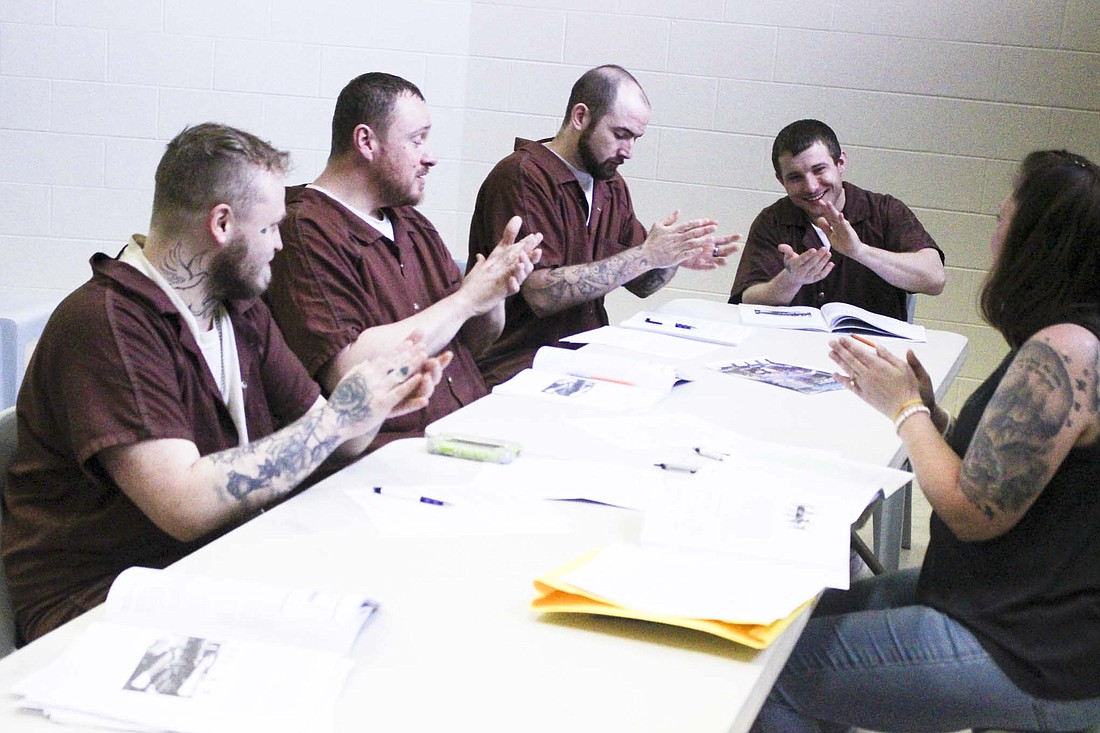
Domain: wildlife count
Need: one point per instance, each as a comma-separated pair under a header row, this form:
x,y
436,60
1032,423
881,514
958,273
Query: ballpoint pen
x,y
676,467
411,495
686,326
712,454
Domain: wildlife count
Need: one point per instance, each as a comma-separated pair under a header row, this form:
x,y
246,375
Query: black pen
x,y
676,467
413,496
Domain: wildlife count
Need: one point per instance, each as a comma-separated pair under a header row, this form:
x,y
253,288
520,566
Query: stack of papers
x,y
200,655
738,549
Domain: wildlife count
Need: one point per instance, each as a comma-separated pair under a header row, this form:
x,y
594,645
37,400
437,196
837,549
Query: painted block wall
x,y
934,100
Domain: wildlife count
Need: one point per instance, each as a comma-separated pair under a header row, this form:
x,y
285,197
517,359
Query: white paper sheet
x,y
647,343
469,510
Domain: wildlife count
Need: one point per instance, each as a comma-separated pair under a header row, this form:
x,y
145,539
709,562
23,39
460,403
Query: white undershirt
x,y
214,348
384,226
588,183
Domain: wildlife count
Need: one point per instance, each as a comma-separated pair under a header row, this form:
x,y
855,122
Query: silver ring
x,y
714,252
852,382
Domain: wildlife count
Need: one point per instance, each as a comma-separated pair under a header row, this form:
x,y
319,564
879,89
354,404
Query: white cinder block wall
x,y
934,100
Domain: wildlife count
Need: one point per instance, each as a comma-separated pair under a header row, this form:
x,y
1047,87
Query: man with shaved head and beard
x,y
568,189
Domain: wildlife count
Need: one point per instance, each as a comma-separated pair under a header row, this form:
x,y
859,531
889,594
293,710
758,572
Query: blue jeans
x,y
871,657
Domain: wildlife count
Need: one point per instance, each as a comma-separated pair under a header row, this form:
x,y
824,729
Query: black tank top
x,y
1032,595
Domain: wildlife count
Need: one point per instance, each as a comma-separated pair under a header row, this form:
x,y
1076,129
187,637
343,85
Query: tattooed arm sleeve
x,y
552,290
1047,403
188,496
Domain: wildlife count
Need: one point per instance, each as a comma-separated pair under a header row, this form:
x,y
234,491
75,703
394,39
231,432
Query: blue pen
x,y
414,496
661,323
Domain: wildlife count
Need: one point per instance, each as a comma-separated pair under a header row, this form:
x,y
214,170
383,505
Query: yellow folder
x,y
557,596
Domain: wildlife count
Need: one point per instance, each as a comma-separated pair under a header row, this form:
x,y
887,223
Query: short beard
x,y
601,171
228,278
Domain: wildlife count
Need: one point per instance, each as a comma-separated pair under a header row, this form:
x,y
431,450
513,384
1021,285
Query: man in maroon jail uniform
x,y
568,189
362,268
162,406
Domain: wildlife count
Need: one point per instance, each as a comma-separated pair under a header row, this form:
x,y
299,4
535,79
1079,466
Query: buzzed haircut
x,y
210,164
798,136
368,99
597,89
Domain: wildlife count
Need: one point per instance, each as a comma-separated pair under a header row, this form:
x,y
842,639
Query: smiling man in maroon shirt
x,y
828,240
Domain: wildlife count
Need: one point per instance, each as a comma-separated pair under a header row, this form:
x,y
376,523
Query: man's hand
x,y
809,267
494,278
723,248
377,389
672,242
842,237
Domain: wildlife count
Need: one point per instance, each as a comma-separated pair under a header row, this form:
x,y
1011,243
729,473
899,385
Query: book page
x,y
579,390
847,318
175,682
801,317
633,372
222,608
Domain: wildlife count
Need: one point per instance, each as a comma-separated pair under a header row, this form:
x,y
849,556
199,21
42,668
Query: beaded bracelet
x,y
908,412
906,405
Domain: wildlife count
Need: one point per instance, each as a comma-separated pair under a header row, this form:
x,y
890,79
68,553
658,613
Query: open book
x,y
831,317
597,380
196,654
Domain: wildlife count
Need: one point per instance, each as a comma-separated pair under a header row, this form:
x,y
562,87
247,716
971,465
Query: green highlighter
x,y
474,448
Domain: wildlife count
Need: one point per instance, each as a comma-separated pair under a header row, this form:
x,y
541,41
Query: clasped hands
x,y
691,244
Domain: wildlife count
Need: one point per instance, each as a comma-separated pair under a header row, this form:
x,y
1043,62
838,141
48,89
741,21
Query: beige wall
x,y
934,100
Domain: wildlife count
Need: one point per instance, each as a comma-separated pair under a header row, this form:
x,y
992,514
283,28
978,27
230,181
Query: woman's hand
x,y
879,378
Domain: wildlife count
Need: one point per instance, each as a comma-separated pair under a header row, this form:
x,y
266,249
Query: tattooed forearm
x,y
554,290
652,281
1006,462
280,460
581,284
